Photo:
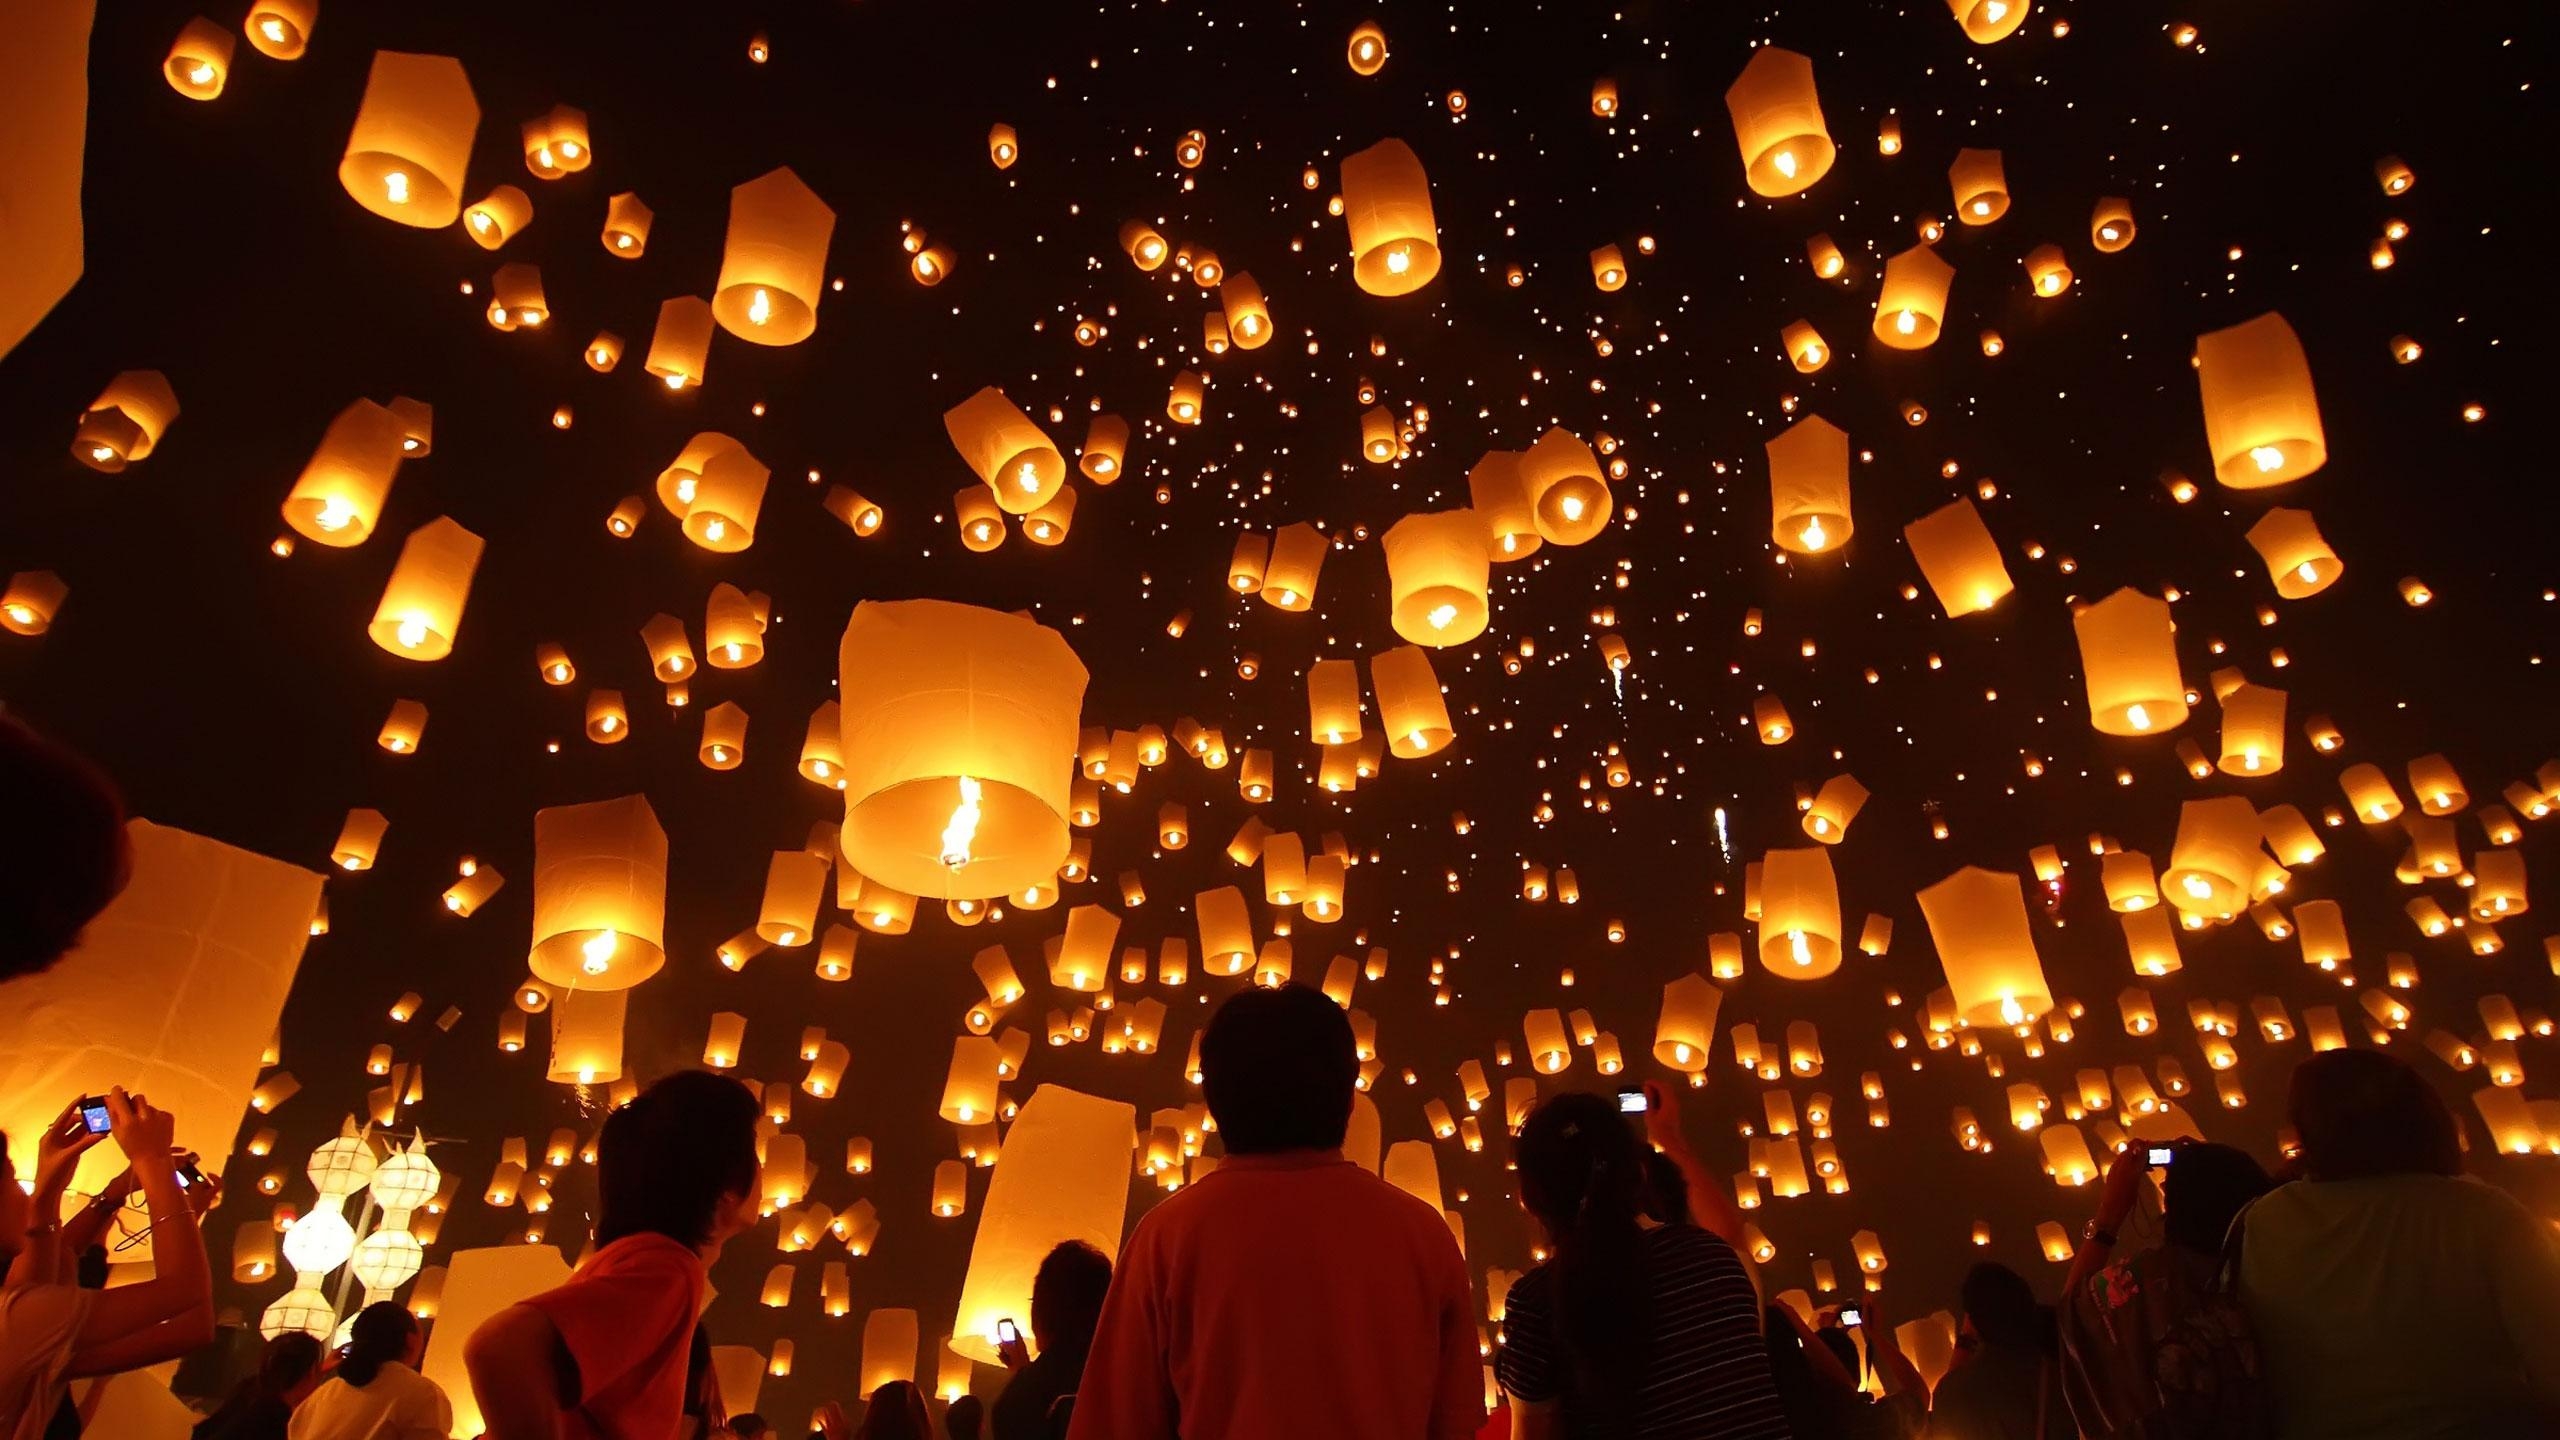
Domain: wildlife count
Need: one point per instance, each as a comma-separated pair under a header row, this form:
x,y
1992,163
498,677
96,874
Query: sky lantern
x,y
2129,659
422,603
338,497
2111,224
2253,733
680,346
127,419
496,218
774,263
1226,931
516,301
2298,560
1106,448
2047,272
30,601
724,737
1411,709
1367,53
599,894
199,59
1686,1028
1003,146
1913,302
281,29
959,728
1386,203
670,652
1986,21
1604,97
2394,175
860,514
1063,1175
1978,921
1333,701
1185,398
1981,186
1608,268
411,142
721,517
1566,492
1005,449
1834,806
2261,419
1825,257
1799,914
1809,487
733,627
2127,879
1297,556
555,142
1438,566
1804,346
1777,119
1143,245
1248,317
1498,495
626,226
1958,557
1049,524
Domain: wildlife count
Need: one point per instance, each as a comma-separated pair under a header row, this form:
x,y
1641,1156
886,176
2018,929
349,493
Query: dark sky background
x,y
236,694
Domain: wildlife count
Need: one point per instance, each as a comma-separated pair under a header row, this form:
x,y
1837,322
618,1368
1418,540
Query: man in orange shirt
x,y
1290,1294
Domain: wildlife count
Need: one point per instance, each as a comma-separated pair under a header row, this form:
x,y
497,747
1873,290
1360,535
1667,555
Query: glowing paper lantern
x,y
774,263
1777,119
1006,450
30,601
889,1336
1809,487
1498,495
422,603
1248,316
2261,418
1986,21
1368,49
2129,659
1978,920
338,497
1106,448
1063,1175
1804,346
1608,268
599,894
497,217
1687,1026
1143,245
1438,567
1913,302
126,420
412,138
173,990
680,346
2111,224
1184,400
733,627
1297,557
1958,557
959,725
626,226
199,59
1003,146
1981,188
2047,272
1386,203
2253,735
1834,806
1799,914
1411,709
1566,492
2298,560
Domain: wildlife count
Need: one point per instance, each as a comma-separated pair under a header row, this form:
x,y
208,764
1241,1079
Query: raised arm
x,y
171,1313
1710,1203
2115,1206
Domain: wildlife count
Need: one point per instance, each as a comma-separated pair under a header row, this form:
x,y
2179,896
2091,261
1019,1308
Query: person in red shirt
x,y
1290,1293
602,1357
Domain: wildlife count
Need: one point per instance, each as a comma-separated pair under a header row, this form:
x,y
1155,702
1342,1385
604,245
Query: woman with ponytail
x,y
1631,1329
376,1393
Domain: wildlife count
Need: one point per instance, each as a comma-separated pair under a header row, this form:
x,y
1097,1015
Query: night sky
x,y
236,693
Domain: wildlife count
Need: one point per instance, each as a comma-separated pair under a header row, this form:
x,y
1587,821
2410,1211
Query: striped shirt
x,y
1705,1372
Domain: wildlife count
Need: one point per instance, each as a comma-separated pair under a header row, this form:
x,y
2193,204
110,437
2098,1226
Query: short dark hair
x,y
1066,1297
1278,1067
665,1160
2362,1112
2001,1305
749,1426
287,1361
966,1419
2207,1188
63,854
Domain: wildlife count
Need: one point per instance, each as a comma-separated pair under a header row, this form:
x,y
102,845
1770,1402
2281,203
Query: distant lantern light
x,y
1367,52
2129,659
199,59
1809,487
1438,568
1981,186
1913,301
626,226
2111,224
1958,557
2298,560
1014,457
1988,21
1003,146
